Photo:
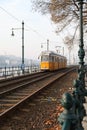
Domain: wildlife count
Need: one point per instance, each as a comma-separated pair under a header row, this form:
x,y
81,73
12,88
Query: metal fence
x,y
17,71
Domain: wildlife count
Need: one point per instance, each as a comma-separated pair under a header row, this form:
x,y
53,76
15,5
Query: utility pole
x,y
63,51
22,65
23,47
47,44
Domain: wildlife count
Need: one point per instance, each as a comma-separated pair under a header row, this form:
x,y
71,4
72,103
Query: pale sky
x,y
38,29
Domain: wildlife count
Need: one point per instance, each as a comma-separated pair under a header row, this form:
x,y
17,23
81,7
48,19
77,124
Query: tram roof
x,y
51,53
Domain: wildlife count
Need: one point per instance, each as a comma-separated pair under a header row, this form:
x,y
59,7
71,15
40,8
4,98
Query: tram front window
x,y
44,58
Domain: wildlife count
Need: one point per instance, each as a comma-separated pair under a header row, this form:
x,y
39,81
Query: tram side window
x,y
50,58
44,58
60,60
53,59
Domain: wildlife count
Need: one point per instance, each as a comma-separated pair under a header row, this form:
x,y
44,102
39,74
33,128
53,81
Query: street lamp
x,y
22,65
58,51
47,44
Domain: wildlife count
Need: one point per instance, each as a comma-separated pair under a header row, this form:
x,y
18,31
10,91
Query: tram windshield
x,y
44,58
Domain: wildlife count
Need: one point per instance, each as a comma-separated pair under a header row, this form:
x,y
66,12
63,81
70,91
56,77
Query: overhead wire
x,y
34,30
10,14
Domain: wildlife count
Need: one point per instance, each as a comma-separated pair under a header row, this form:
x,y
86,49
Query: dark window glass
x,y
50,58
44,58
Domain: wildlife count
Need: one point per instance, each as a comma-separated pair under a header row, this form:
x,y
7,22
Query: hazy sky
x,y
38,29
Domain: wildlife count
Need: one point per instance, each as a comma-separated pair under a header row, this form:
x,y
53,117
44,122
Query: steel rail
x,y
23,94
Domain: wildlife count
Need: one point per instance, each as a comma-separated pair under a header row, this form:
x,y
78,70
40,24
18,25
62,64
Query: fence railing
x,y
16,71
74,112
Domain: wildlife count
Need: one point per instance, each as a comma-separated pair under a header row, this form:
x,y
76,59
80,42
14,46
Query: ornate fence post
x,y
78,107
67,118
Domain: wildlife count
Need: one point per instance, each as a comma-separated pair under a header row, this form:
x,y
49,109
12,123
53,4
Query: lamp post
x,y
22,65
81,52
58,51
69,48
79,83
47,44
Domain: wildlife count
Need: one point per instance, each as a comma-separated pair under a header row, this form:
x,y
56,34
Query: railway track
x,y
13,93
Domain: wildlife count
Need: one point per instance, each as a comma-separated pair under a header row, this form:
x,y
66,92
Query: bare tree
x,y
62,12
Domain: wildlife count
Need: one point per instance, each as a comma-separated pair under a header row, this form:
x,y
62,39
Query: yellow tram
x,y
52,61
